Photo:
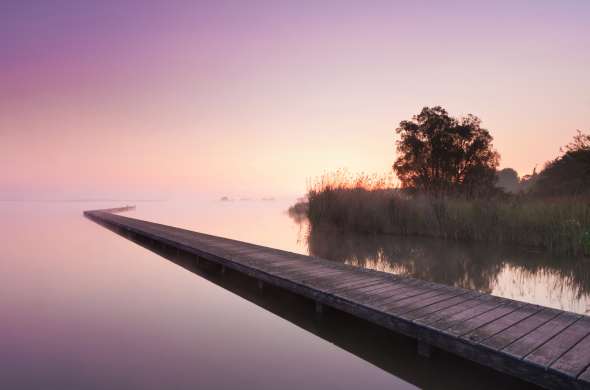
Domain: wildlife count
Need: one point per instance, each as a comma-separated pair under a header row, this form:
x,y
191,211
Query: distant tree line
x,y
440,155
566,175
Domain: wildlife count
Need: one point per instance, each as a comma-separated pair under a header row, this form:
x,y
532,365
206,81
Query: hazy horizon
x,y
156,100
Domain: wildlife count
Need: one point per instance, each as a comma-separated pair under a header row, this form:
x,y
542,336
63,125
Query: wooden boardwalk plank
x,y
451,311
473,318
374,289
541,335
484,305
309,273
332,285
509,335
353,286
398,291
431,309
576,360
410,291
474,323
383,293
412,303
545,346
503,323
443,298
553,349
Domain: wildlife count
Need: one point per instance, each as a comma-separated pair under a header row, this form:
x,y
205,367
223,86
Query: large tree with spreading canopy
x,y
441,155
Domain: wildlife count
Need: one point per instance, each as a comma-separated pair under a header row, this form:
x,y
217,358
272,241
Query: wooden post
x,y
424,349
319,308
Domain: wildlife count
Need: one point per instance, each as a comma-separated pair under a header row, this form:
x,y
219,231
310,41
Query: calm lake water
x,y
84,308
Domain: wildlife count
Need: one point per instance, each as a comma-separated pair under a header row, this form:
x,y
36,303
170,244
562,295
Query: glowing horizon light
x,y
157,99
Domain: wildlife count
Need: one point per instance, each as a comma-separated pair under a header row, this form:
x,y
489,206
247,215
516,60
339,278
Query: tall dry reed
x,y
369,204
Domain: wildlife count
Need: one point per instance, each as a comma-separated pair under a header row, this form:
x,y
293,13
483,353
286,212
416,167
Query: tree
x,y
441,155
508,180
568,174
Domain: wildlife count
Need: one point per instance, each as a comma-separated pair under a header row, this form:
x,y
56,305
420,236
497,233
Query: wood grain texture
x,y
538,337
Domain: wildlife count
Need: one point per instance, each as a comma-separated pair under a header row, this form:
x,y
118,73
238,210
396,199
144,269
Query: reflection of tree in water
x,y
473,266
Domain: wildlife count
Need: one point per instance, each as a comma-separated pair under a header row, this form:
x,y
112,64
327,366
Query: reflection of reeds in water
x,y
514,273
543,286
366,205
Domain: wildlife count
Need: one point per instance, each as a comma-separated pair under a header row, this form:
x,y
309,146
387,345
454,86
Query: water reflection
x,y
513,273
83,308
392,353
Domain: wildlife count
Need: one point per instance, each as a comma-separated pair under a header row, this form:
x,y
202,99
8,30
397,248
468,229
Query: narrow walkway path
x,y
542,345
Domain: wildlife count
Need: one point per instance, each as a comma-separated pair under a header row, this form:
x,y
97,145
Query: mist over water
x,y
83,307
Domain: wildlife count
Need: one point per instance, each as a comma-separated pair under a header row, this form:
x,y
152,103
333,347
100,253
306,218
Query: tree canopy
x,y
442,155
569,173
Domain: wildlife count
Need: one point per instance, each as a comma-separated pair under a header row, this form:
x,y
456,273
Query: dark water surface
x,y
84,308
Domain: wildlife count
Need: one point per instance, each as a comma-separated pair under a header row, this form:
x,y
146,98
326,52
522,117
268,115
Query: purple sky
x,y
252,98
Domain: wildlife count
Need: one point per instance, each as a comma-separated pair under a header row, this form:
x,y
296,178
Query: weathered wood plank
x,y
382,293
422,312
451,311
502,323
333,285
484,305
410,291
518,330
411,307
354,285
576,360
553,349
308,273
541,335
474,323
370,291
411,303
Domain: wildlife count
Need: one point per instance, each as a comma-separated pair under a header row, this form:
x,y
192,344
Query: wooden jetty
x,y
545,346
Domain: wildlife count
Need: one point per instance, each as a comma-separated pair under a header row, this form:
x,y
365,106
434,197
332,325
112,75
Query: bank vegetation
x,y
447,185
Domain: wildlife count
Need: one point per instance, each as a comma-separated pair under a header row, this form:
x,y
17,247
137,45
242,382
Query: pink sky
x,y
155,99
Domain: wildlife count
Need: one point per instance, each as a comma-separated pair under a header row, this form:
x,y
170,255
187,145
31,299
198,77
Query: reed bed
x,y
370,205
